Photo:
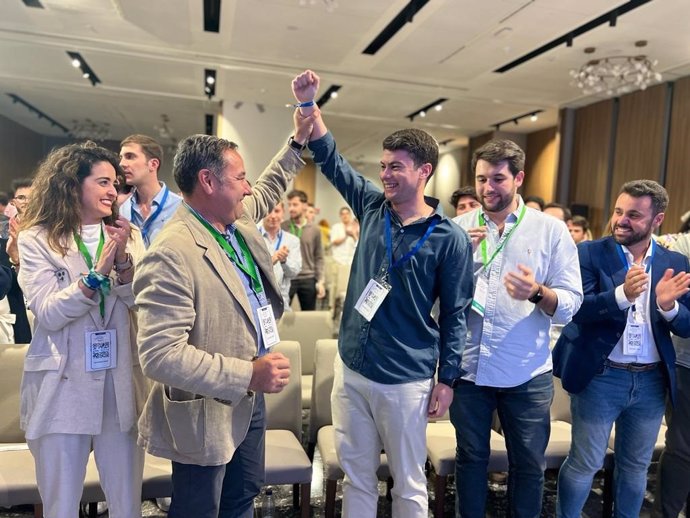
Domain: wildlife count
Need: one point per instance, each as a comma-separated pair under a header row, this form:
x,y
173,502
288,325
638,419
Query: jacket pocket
x,y
48,362
186,422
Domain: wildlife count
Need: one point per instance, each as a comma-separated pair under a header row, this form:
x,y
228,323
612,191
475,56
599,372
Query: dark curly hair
x,y
55,202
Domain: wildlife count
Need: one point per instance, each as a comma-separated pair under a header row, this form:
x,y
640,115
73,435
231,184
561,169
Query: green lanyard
x,y
294,229
481,222
220,239
89,262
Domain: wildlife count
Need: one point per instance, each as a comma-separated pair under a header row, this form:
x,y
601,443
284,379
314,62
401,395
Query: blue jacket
x,y
586,342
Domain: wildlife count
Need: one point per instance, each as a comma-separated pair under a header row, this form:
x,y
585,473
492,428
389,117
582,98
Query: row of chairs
x,y
286,460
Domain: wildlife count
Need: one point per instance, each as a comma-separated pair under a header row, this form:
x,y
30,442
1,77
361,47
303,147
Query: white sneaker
x,y
164,503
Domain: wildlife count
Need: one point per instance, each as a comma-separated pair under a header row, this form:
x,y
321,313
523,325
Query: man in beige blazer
x,y
208,302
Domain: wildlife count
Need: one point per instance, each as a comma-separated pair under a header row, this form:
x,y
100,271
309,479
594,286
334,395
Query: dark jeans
x,y
526,424
673,479
305,289
225,491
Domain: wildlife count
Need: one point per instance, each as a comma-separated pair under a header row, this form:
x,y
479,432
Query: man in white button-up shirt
x,y
526,278
616,358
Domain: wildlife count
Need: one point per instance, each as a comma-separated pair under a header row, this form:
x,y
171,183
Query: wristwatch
x,y
296,145
536,298
452,383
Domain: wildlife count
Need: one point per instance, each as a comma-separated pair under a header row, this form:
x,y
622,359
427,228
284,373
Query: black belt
x,y
633,367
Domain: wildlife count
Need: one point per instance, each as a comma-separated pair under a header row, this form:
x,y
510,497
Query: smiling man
x,y
207,305
390,347
527,278
616,358
151,203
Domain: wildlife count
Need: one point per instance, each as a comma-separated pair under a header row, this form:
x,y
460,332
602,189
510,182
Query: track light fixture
x,y
86,72
533,116
32,109
209,82
437,105
331,93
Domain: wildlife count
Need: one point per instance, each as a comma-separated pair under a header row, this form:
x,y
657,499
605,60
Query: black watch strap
x,y
296,145
536,298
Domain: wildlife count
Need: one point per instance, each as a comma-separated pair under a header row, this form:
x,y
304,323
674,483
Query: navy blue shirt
x,y
402,342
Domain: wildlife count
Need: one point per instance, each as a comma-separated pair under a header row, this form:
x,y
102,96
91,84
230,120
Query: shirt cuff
x,y
621,299
670,314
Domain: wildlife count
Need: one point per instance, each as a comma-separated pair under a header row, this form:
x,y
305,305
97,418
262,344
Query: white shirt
x,y
284,272
510,345
345,251
640,314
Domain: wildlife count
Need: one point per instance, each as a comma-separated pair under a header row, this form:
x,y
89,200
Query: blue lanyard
x,y
625,259
280,238
409,254
147,224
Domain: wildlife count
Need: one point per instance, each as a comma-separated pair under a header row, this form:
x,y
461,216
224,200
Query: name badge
x,y
371,298
269,329
481,290
101,350
633,341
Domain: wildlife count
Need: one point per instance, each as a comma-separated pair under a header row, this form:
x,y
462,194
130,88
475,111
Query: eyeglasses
x,y
21,197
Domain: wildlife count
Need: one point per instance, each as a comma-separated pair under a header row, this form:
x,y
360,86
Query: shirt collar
x,y
647,255
511,218
156,199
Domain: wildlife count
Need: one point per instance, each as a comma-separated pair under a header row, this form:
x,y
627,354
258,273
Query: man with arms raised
x,y
208,303
526,278
408,256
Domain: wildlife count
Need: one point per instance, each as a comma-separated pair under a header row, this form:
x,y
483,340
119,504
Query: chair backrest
x,y
11,370
560,407
284,409
320,411
306,327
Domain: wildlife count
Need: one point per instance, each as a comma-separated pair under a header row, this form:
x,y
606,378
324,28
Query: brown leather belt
x,y
633,367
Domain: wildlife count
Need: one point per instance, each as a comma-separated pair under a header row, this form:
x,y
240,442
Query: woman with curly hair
x,y
82,387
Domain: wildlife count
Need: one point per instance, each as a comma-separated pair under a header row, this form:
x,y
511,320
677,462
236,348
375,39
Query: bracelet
x,y
125,265
306,104
97,282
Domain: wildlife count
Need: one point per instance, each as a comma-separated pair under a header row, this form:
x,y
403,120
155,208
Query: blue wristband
x,y
91,281
304,105
97,282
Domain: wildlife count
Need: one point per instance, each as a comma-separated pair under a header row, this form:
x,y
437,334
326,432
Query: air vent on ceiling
x,y
403,17
33,3
212,15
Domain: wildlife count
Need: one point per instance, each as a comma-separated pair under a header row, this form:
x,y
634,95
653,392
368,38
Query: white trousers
x,y
61,460
369,417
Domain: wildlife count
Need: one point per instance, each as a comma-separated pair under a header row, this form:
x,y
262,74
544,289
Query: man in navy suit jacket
x,y
616,358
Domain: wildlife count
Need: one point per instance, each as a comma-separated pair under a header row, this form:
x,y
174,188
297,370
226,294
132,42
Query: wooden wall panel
x,y
639,137
21,150
306,180
467,176
540,164
678,166
590,161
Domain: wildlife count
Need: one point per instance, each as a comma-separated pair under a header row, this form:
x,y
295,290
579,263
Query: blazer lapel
x,y
220,262
257,246
613,262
